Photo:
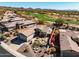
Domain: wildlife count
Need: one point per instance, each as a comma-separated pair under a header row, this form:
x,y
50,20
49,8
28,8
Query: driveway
x,y
4,53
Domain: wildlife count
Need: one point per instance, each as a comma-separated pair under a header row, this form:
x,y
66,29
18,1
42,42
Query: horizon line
x,y
42,8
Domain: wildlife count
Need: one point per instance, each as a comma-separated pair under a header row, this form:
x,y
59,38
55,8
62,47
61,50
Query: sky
x,y
44,5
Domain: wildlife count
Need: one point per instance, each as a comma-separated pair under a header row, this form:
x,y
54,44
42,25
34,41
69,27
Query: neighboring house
x,y
10,16
10,19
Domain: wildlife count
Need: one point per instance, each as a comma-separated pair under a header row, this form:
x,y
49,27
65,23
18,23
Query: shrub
x,y
2,37
41,22
59,22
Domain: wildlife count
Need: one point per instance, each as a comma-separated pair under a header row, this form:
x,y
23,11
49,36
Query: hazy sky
x,y
46,5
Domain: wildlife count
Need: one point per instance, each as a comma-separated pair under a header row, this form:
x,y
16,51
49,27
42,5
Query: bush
x,y
41,22
2,37
59,22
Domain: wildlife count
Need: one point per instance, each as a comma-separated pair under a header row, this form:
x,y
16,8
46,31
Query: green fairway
x,y
72,22
43,17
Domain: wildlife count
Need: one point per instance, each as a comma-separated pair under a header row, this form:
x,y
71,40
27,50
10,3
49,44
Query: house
x,y
68,47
